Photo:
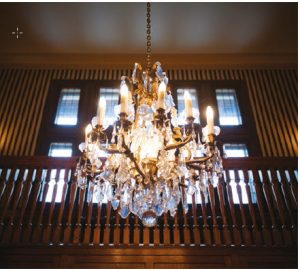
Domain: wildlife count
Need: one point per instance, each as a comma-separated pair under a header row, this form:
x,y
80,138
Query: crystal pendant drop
x,y
124,211
149,219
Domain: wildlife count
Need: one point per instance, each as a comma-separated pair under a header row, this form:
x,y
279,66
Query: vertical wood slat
x,y
116,228
176,230
107,228
96,233
166,230
78,225
206,232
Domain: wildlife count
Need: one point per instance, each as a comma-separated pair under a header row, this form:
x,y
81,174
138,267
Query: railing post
x,y
5,200
236,232
17,194
23,204
176,234
206,231
87,230
136,231
36,187
225,229
116,228
266,185
287,237
37,229
245,230
255,231
107,229
58,228
126,231
196,230
96,237
73,188
166,230
78,225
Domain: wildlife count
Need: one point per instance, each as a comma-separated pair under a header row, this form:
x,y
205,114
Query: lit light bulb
x,y
210,120
101,110
161,95
124,98
188,104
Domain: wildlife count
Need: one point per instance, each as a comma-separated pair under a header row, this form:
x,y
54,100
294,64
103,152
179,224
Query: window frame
x,y
50,132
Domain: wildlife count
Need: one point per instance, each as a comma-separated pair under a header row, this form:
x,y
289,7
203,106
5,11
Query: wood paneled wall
x,y
272,91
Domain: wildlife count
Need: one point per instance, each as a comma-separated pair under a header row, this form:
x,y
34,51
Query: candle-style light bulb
x,y
161,95
101,110
188,104
210,120
124,98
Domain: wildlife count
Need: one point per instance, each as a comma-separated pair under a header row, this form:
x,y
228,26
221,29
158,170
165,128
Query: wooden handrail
x,y
254,204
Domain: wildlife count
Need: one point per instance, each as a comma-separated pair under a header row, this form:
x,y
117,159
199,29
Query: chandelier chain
x,y
148,20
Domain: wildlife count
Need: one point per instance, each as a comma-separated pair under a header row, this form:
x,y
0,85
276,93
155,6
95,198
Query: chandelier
x,y
152,163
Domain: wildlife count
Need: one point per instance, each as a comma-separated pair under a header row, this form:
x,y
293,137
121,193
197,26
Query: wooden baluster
x,y
206,232
255,231
88,225
126,231
294,186
258,191
78,225
225,228
7,195
136,231
96,237
216,231
15,201
186,230
58,228
107,229
196,230
266,183
116,228
236,232
166,230
36,186
73,188
245,229
287,198
146,236
176,233
23,203
37,229
156,234
47,230
287,237
2,181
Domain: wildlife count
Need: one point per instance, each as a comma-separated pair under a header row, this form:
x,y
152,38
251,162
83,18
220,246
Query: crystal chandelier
x,y
152,162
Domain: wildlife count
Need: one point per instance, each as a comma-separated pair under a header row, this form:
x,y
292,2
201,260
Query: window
x,y
67,109
180,103
235,150
229,112
111,96
60,150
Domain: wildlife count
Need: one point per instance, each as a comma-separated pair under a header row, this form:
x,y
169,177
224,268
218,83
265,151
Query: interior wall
x,y
272,92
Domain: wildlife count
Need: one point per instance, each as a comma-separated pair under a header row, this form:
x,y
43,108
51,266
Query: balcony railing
x,y
254,204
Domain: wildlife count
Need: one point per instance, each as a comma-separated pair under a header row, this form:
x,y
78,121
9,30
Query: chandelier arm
x,y
111,151
130,155
199,160
179,145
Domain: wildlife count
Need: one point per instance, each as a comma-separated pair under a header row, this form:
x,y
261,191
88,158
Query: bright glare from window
x,y
60,150
229,111
111,96
67,109
235,150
